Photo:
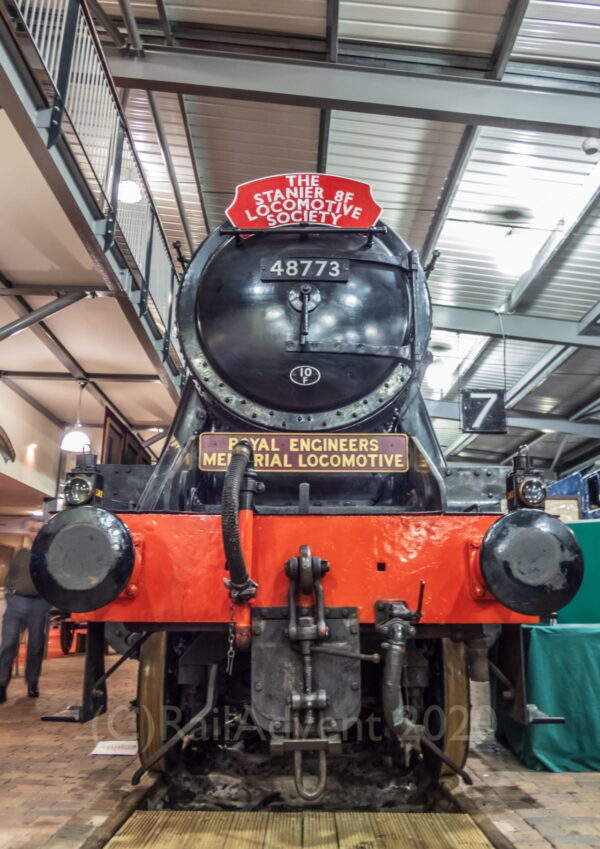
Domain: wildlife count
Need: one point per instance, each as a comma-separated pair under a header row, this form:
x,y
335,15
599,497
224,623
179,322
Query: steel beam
x,y
26,290
170,42
584,199
155,438
531,328
547,424
504,45
331,54
334,86
35,316
589,325
581,462
106,22
58,350
530,444
131,27
192,155
558,452
332,30
460,162
533,378
165,23
500,324
18,390
60,375
507,35
165,150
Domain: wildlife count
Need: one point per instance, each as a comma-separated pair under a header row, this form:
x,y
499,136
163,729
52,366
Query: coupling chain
x,y
231,640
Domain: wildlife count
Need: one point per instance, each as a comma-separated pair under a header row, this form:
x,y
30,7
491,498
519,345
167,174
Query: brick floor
x,y
53,793
534,810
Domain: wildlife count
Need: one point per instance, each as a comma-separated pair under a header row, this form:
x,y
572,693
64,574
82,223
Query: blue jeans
x,y
29,612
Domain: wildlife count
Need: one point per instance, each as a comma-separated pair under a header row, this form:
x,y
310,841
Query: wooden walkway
x,y
233,830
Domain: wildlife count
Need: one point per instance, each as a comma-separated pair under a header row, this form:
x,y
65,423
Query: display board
x,y
483,411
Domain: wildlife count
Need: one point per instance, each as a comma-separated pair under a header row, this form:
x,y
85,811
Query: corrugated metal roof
x,y
447,431
510,199
235,141
570,286
306,18
565,31
449,351
468,26
547,447
146,142
495,448
519,357
406,162
570,388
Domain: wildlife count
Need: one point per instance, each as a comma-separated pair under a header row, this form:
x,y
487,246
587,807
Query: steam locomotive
x,y
300,551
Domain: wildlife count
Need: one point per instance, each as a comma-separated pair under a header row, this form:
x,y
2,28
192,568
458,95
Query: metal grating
x,y
235,141
468,26
565,32
406,162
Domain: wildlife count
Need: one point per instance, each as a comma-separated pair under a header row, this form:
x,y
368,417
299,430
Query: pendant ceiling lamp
x,y
77,440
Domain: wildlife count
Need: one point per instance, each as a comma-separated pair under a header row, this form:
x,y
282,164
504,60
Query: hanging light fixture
x,y
77,440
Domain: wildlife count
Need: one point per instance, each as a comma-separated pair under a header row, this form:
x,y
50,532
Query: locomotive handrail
x,y
304,228
230,230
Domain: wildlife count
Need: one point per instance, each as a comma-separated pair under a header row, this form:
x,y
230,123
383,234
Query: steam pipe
x,y
393,704
240,586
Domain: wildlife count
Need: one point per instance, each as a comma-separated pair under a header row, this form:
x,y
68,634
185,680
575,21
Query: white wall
x,y
36,442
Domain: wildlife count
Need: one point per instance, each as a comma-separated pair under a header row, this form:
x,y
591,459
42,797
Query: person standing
x,y
25,608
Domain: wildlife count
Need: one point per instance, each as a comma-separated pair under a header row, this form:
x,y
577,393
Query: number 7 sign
x,y
483,411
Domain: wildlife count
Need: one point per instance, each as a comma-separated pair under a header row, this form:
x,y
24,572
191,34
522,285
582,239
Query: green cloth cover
x,y
585,607
563,679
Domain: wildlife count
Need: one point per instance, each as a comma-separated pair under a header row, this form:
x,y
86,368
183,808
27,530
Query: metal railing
x,y
84,110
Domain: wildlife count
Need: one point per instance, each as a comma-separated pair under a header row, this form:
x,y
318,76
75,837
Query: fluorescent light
x,y
129,192
37,512
76,440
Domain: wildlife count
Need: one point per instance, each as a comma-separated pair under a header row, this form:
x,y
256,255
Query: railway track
x,y
307,830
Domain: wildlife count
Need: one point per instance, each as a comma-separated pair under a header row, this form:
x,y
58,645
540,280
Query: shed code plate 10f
x,y
301,452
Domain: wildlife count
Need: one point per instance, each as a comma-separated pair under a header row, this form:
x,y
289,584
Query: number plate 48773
x,y
305,268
